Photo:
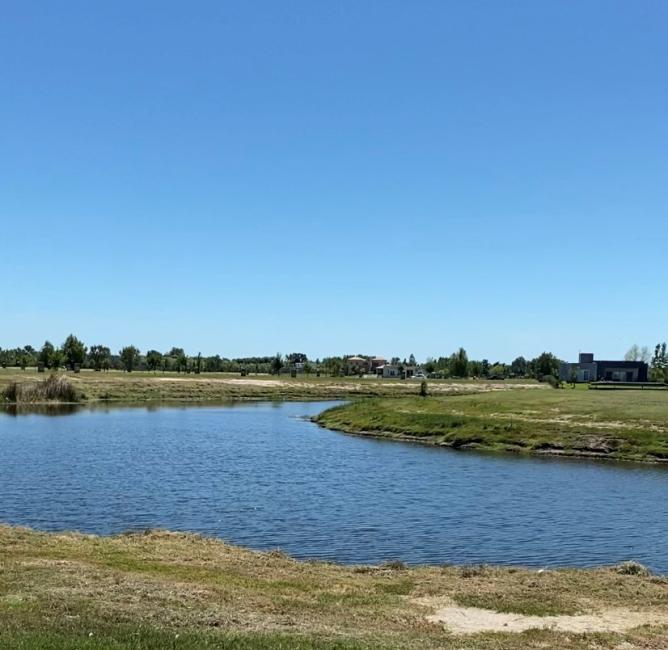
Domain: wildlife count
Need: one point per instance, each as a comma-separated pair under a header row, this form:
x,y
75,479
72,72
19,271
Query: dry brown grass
x,y
116,386
188,584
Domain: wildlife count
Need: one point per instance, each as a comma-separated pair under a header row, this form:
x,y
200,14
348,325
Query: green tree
x,y
573,375
459,364
46,354
518,368
153,360
213,364
332,366
74,351
9,358
25,356
57,359
176,359
182,362
545,364
498,370
99,356
129,357
276,364
659,370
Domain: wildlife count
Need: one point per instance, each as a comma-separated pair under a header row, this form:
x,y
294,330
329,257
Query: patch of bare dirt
x,y
215,380
473,620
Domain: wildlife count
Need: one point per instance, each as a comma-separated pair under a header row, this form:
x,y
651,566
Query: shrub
x,y
472,571
423,388
364,569
632,568
555,382
11,392
394,565
51,389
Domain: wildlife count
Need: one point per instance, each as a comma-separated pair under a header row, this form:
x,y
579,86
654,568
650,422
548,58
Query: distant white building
x,y
392,371
389,370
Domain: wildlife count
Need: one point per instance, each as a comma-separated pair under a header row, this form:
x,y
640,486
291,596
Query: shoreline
x,y
391,563
515,451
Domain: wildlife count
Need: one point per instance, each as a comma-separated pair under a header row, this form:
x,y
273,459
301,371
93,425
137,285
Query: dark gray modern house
x,y
588,369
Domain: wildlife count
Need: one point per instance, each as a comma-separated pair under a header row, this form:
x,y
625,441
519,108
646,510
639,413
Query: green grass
x,y
623,425
166,590
516,602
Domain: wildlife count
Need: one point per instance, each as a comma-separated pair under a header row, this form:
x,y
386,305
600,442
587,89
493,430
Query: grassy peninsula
x,y
622,425
181,591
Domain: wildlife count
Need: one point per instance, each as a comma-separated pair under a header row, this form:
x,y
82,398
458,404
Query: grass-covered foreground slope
x,y
625,425
166,590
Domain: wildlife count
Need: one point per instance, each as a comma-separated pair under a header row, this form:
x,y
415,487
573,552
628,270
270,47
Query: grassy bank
x,y
624,425
165,590
115,386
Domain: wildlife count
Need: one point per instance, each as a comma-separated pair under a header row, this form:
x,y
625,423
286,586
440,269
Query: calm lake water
x,y
260,476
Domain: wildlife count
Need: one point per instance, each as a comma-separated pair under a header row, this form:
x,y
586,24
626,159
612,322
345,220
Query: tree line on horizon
x,y
74,354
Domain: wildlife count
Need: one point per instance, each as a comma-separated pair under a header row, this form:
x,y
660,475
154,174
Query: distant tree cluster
x,y
657,361
637,353
73,354
459,366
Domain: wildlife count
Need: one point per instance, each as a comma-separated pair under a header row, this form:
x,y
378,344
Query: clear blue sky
x,y
383,177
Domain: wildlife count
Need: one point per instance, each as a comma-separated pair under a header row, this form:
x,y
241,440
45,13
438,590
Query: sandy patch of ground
x,y
472,620
583,421
450,388
215,380
254,382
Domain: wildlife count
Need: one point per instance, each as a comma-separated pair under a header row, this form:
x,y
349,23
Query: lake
x,y
262,476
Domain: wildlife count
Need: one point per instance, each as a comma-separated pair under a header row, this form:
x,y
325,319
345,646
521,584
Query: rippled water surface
x,y
261,476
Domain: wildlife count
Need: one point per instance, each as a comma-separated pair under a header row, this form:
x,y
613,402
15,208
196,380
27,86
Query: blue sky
x,y
382,177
